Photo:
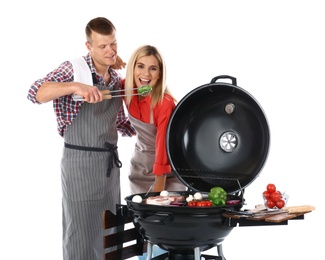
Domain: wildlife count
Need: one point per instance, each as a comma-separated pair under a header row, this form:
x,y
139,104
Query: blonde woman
x,y
149,115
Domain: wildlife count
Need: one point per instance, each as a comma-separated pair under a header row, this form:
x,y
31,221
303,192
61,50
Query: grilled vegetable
x,y
199,203
137,199
164,193
198,196
232,202
218,196
143,90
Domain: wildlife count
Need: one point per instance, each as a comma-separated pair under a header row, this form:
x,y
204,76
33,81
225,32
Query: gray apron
x,y
141,177
87,191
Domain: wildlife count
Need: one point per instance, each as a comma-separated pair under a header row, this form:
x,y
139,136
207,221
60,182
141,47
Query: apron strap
x,y
114,158
108,148
151,115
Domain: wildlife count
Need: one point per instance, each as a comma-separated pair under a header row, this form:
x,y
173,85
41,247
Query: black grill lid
x,y
218,135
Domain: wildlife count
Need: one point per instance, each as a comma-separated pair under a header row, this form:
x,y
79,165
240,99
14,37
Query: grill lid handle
x,y
233,79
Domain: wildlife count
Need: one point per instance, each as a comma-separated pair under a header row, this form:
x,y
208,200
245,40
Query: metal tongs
x,y
109,94
260,210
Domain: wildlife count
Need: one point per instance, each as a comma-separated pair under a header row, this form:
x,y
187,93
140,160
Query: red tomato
x,y
200,203
270,204
191,203
271,188
266,195
208,203
275,196
280,204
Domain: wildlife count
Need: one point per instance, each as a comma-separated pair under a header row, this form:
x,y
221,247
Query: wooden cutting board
x,y
269,216
282,217
299,209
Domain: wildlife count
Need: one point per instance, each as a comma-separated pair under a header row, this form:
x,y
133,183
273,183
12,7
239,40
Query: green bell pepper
x,y
218,196
144,90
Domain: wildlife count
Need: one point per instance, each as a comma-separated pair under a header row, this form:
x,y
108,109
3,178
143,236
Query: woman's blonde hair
x,y
157,93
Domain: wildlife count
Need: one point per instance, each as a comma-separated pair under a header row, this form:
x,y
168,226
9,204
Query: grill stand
x,y
175,256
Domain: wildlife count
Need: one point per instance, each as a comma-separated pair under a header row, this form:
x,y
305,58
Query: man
x,y
90,164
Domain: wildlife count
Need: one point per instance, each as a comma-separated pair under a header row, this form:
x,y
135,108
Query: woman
x,y
149,115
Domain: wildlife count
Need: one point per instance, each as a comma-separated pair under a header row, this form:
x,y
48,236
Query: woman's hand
x,y
119,64
160,183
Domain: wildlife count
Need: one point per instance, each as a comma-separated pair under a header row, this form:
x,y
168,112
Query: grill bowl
x,y
181,228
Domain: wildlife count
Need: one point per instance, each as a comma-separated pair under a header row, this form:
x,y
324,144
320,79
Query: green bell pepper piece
x,y
144,90
218,196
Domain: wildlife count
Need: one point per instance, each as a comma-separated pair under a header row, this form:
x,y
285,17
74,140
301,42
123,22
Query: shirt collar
x,y
113,73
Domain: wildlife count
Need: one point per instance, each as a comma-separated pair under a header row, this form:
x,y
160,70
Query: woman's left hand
x,y
160,183
119,64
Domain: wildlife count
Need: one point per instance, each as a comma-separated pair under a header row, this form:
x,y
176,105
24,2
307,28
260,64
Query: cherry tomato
x,y
270,204
280,204
191,203
271,188
266,195
200,204
275,196
208,203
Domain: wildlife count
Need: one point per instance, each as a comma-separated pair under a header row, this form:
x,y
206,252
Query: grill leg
x,y
149,251
220,252
213,257
197,253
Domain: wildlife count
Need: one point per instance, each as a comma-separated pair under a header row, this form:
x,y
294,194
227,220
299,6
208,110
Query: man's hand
x,y
90,94
119,64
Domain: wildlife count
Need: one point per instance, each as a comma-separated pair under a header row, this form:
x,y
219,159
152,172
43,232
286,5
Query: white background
x,y
275,49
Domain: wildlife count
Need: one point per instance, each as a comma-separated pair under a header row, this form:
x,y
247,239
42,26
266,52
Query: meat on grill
x,y
165,200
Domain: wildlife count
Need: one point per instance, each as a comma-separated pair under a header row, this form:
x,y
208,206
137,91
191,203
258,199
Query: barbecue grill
x,y
218,135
